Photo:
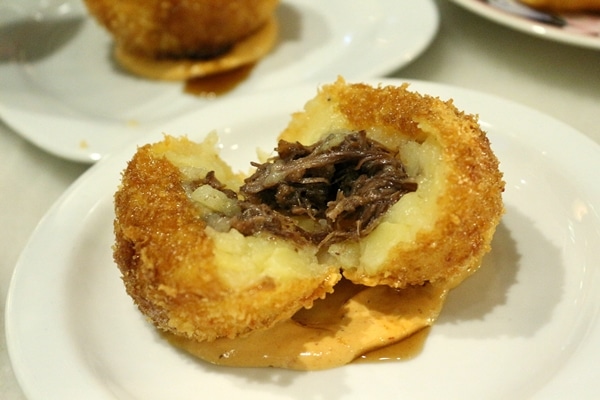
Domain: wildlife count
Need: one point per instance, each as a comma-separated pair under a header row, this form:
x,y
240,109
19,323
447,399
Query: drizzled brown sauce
x,y
218,84
405,349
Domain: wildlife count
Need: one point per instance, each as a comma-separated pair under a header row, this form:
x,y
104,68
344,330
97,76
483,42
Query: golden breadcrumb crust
x,y
202,283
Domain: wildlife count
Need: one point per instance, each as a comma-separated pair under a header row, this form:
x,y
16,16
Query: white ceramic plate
x,y
525,326
578,29
62,91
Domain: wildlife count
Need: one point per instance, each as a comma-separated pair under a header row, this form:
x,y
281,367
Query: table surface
x,y
468,51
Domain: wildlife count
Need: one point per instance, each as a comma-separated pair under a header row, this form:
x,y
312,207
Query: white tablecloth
x,y
469,51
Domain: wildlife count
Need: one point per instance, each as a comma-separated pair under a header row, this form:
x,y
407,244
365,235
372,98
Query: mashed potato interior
x,y
413,213
243,261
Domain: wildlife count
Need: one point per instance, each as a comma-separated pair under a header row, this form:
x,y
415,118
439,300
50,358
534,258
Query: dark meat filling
x,y
332,191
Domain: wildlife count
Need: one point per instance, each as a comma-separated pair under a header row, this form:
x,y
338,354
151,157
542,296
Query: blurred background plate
x,y
578,29
61,89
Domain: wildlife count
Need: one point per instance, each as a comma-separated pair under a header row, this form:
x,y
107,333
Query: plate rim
x,y
11,314
536,29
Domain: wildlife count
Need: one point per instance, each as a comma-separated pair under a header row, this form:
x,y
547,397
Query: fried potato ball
x,y
190,278
194,274
178,40
190,29
442,230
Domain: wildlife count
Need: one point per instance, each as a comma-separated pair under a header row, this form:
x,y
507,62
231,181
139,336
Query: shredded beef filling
x,y
328,192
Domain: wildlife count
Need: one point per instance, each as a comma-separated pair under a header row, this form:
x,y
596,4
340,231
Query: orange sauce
x,y
354,324
405,349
